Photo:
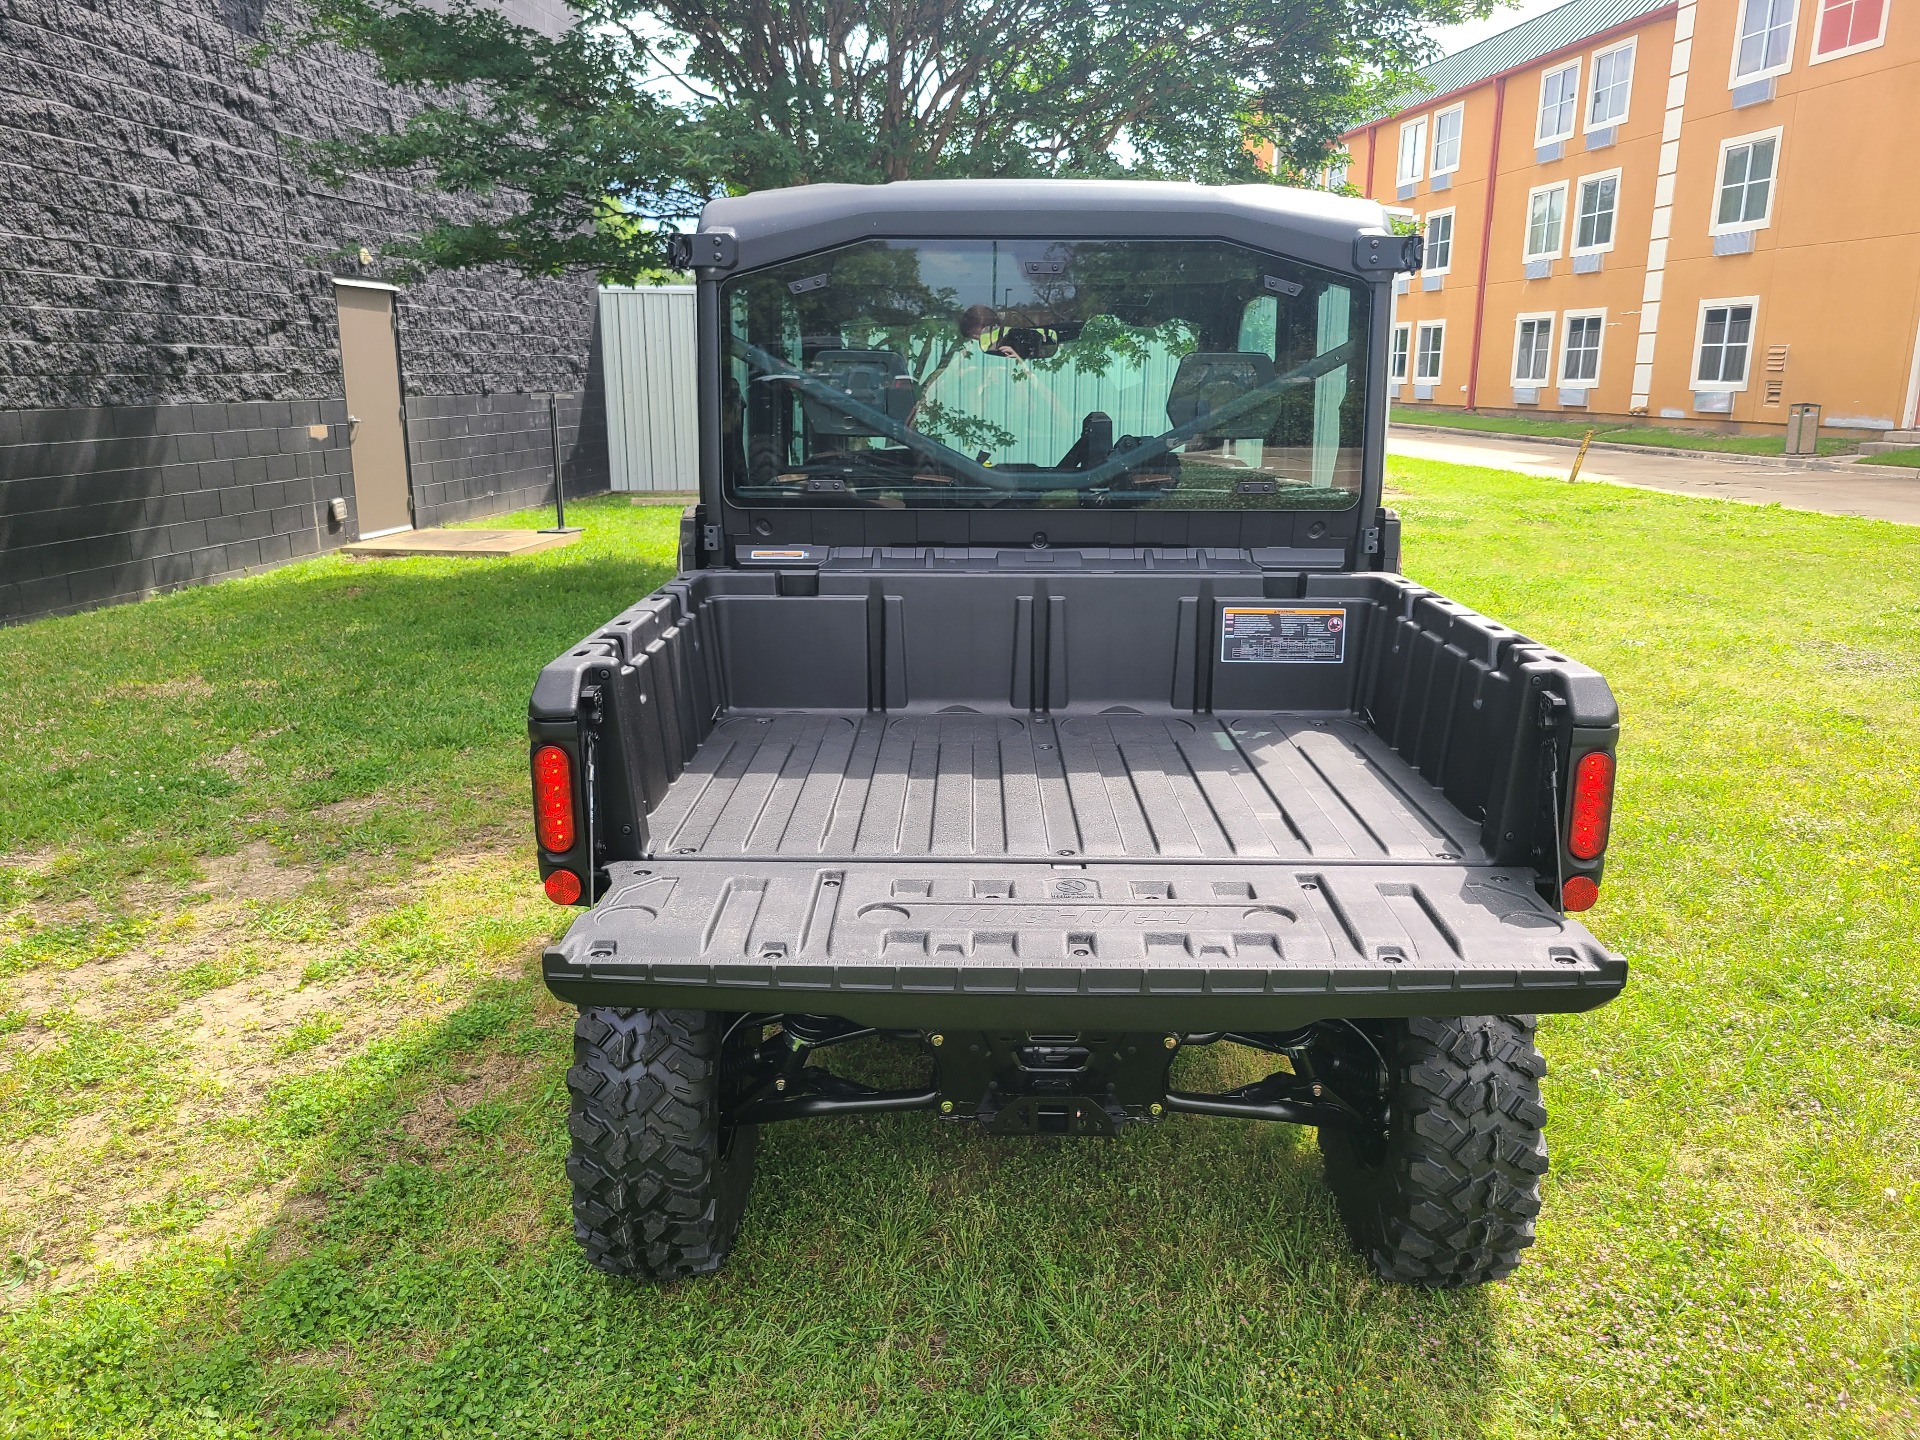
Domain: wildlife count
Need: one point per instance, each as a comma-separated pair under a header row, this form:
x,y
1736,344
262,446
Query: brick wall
x,y
167,325
111,502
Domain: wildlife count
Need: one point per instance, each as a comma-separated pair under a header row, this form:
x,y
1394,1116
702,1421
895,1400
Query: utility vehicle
x,y
1039,691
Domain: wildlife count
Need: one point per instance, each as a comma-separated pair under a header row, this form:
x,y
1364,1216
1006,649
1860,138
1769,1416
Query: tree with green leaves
x,y
582,151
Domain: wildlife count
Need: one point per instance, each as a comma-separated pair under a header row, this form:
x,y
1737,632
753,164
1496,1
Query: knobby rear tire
x,y
659,1185
1447,1195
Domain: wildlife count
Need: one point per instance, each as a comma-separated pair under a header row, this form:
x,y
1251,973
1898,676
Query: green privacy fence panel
x,y
1039,406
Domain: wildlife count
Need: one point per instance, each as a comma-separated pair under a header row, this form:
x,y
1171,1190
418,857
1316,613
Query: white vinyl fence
x,y
647,346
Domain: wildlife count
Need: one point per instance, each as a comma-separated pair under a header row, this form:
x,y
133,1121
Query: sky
x,y
1454,38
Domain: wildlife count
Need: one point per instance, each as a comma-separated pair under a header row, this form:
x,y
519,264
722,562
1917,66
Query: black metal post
x,y
559,526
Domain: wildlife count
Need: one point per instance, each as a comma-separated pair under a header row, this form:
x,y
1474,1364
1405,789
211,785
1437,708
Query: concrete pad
x,y
1853,490
458,542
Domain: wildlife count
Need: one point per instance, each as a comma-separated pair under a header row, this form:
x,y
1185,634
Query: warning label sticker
x,y
1282,635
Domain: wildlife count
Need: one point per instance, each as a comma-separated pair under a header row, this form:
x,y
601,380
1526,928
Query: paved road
x,y
1891,495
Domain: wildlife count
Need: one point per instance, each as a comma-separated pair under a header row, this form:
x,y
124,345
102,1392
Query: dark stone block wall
x,y
168,339
475,454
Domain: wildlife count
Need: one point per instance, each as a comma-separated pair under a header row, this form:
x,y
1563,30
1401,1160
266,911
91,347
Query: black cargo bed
x,y
1124,870
825,801
1200,787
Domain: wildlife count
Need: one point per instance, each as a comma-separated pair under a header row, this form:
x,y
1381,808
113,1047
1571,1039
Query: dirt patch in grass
x,y
28,862
180,687
289,1231
352,809
1858,660
247,992
446,1115
254,872
239,1031
185,928
237,764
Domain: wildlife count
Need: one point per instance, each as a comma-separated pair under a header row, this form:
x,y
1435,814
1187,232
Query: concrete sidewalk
x,y
1887,495
470,543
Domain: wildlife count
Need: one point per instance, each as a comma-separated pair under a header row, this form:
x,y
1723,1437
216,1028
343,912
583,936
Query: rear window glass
x,y
1172,375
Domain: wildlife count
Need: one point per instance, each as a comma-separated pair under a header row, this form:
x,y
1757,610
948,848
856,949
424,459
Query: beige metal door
x,y
370,363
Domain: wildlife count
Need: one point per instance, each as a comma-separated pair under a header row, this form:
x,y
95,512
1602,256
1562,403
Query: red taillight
x,y
563,887
1578,893
1592,806
553,800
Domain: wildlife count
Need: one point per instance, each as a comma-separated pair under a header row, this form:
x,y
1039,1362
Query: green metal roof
x,y
1526,42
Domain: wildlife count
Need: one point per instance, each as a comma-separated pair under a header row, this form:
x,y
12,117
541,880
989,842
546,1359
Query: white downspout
x,y
1910,418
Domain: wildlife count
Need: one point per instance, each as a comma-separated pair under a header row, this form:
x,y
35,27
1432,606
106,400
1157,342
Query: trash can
x,y
1803,430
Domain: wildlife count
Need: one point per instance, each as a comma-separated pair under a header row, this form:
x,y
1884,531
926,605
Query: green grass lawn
x,y
1657,435
1909,458
283,1116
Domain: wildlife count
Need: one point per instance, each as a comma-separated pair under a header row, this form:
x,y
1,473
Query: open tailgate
x,y
1155,946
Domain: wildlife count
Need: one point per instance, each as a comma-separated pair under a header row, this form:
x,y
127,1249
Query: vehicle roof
x,y
774,225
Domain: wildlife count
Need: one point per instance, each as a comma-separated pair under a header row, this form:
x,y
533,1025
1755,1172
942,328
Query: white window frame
x,y
1453,240
1632,46
1694,382
1734,78
1418,153
1814,57
1567,317
1527,253
1520,381
1574,247
1714,227
1403,329
1418,332
1433,139
1573,114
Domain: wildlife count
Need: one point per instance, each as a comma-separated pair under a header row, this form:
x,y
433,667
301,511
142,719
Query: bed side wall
x,y
1454,693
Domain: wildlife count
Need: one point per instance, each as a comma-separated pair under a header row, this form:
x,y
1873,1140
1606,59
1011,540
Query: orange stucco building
x,y
1700,211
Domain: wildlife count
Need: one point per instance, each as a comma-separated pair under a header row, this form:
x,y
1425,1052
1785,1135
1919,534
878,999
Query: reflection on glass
x,y
1175,375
